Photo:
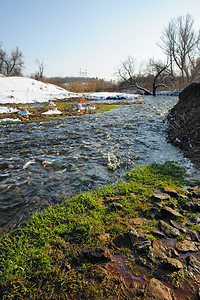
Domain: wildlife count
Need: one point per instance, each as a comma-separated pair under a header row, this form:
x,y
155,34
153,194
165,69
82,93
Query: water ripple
x,y
45,162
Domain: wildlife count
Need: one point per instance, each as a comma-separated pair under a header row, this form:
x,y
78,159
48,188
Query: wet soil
x,y
184,123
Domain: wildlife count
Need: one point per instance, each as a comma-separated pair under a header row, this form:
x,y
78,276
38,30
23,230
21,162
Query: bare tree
x,y
195,70
156,72
2,58
126,72
39,75
127,75
160,73
181,44
11,64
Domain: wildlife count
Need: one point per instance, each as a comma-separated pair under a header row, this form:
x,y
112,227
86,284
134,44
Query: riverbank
x,y
43,163
44,112
128,240
184,123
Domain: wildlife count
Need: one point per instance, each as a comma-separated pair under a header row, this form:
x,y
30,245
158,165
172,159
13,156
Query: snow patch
x,y
27,90
111,96
9,120
24,112
52,112
6,110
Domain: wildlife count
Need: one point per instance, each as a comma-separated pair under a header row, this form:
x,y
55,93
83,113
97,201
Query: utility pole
x,y
83,73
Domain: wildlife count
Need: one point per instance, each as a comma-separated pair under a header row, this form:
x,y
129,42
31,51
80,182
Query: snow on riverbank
x,y
111,96
27,90
6,110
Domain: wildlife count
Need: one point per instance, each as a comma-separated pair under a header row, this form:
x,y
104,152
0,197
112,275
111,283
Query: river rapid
x,y
43,163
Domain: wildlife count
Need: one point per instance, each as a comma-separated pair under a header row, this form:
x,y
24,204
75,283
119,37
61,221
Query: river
x,y
43,163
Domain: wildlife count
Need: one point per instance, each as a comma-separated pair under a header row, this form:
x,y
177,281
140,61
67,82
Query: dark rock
x,y
116,206
158,234
192,206
192,236
127,239
176,225
154,213
193,265
172,264
183,122
194,220
168,230
170,213
158,252
170,191
171,205
143,247
197,297
156,290
96,254
186,246
173,253
195,194
161,197
151,254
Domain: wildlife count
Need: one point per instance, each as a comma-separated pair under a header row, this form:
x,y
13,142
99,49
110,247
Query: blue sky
x,y
92,35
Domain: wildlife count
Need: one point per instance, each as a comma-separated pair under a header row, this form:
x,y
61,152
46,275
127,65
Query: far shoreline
x,y
66,109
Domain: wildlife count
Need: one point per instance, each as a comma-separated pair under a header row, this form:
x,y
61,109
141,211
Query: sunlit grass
x,y
40,260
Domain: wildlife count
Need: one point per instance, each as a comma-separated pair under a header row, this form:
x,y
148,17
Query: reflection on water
x,y
45,162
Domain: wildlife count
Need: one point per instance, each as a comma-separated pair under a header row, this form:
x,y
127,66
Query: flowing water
x,y
43,163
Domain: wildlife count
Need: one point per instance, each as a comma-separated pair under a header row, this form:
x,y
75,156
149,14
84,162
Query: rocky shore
x,y
184,123
167,267
137,239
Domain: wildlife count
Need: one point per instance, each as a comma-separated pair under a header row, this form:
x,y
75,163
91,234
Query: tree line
x,y
179,43
181,47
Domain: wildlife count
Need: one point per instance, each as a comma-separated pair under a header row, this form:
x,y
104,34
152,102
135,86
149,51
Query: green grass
x,y
67,111
35,259
102,107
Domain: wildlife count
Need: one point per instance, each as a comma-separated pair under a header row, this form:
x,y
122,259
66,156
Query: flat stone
x,y
176,224
132,234
186,246
172,264
156,290
193,265
170,191
161,197
96,254
169,213
143,247
126,239
158,234
194,220
173,253
158,252
192,236
168,230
